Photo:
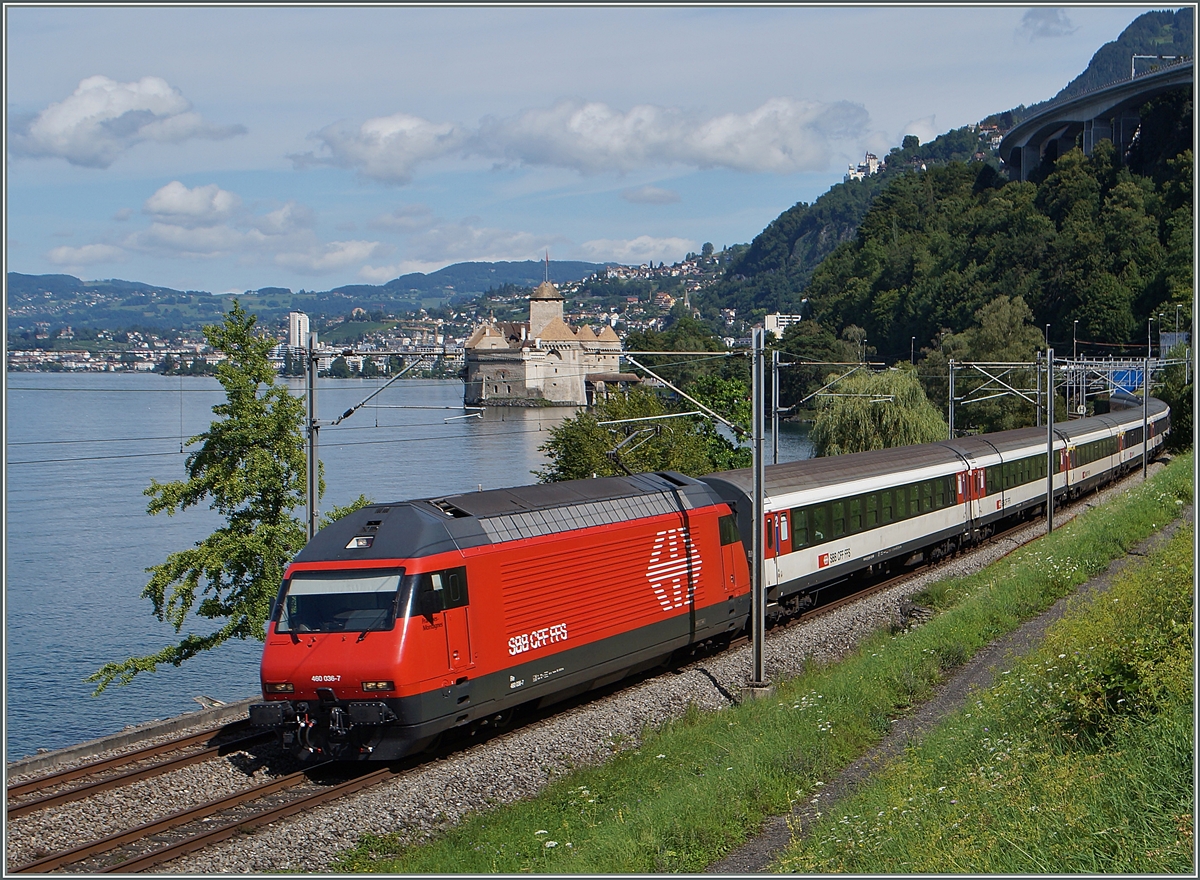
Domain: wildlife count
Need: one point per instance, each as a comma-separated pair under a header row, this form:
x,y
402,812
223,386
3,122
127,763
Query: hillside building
x,y
541,361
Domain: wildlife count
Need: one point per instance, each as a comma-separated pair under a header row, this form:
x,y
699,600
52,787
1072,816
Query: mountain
x,y
115,304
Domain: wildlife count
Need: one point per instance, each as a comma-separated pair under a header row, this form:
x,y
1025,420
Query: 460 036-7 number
x,y
538,638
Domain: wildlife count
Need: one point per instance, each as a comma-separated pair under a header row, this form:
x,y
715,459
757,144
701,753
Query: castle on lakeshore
x,y
542,361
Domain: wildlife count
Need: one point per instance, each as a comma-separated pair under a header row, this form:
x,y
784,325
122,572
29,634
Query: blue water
x,y
81,449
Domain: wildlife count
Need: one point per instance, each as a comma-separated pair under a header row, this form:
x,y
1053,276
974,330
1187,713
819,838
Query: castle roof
x,y
557,331
546,290
608,334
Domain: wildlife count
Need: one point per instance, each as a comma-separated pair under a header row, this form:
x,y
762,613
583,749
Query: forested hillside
x,y
773,271
1092,242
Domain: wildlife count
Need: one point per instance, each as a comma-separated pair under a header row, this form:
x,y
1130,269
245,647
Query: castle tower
x,y
545,305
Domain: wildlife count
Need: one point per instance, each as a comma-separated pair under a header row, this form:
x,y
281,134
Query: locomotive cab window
x,y
338,601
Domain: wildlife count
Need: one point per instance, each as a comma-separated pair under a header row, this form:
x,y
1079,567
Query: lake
x,y
80,450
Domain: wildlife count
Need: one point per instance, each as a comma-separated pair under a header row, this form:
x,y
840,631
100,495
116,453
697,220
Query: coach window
x,y
885,503
914,500
770,532
839,518
819,520
939,494
872,504
855,515
799,527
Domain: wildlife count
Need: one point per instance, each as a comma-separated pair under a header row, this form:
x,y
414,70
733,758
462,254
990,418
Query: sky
x,y
230,148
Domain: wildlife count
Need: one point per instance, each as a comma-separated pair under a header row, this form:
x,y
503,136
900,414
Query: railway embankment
x,y
697,789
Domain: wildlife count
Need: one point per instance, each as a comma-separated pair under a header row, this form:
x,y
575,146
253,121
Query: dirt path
x,y
976,674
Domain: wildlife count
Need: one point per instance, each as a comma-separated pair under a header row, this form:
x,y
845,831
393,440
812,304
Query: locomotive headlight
x,y
378,686
279,687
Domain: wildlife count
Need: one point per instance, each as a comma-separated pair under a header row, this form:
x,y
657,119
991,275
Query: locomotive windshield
x,y
339,601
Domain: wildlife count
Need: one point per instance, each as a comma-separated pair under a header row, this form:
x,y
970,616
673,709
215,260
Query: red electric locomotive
x,y
404,620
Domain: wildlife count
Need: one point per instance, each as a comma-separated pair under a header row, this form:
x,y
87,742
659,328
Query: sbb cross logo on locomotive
x,y
674,566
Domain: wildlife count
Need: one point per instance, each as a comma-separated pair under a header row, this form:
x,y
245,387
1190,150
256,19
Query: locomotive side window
x,y
729,530
450,586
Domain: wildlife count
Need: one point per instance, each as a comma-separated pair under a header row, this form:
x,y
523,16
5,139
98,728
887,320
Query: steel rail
x,y
229,829
174,820
95,767
159,769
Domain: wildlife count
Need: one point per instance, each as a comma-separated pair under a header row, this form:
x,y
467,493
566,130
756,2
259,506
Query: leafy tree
x,y
339,369
250,467
579,447
875,411
1002,334
1177,391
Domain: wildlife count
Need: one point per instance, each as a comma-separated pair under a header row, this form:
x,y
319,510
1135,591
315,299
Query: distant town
x,y
372,342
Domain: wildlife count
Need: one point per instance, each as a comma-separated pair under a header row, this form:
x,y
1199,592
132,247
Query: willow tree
x,y
875,411
250,467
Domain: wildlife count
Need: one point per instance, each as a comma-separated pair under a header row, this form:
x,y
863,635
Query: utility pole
x,y
1146,420
775,406
758,595
1050,468
951,419
1037,372
313,427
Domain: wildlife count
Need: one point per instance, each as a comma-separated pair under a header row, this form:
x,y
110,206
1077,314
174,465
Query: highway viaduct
x,y
1109,112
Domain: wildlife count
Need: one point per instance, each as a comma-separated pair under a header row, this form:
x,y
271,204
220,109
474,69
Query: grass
x,y
698,788
1079,761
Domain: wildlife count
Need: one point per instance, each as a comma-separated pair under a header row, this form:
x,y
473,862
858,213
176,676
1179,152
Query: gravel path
x,y
517,765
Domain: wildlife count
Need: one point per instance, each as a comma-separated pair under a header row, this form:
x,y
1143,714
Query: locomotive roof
x,y
422,527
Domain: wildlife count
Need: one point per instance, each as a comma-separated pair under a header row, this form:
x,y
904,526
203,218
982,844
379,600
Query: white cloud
x,y
385,148
1044,22
199,206
458,242
407,218
639,250
330,256
650,195
292,217
85,255
103,118
783,136
924,128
